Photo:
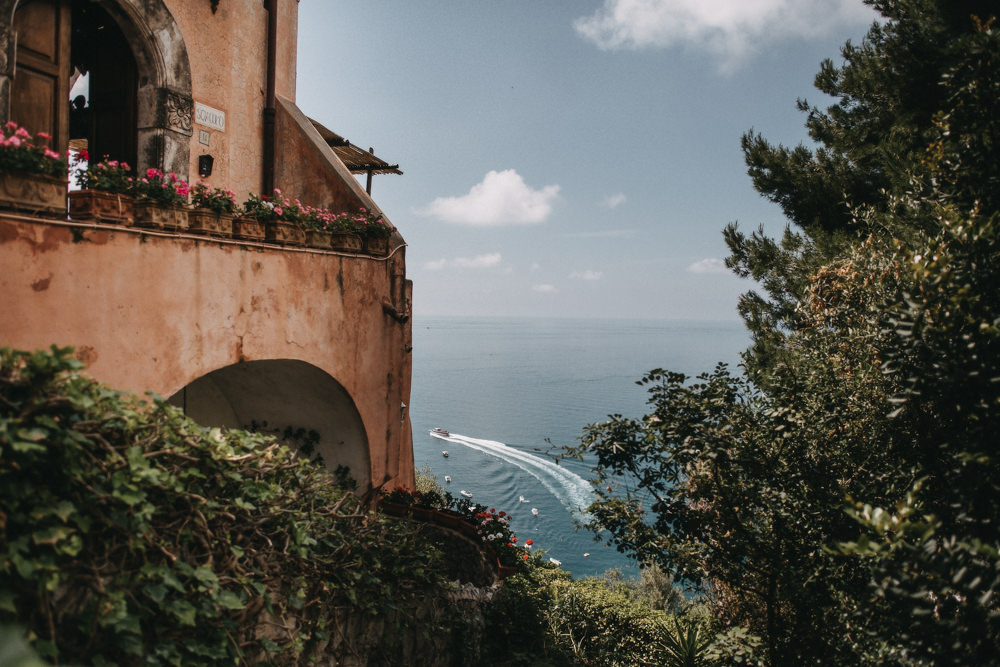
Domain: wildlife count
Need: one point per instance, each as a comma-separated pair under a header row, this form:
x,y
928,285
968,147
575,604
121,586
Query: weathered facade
x,y
237,333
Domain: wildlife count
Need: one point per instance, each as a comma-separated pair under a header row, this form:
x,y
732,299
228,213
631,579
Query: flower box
x,y
451,520
422,513
33,193
204,221
347,242
394,509
248,229
156,215
102,206
377,245
317,238
284,233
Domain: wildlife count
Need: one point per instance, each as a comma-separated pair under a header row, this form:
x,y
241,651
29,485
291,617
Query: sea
x,y
512,392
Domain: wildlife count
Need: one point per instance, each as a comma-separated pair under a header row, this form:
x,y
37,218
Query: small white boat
x,y
465,493
522,499
555,562
447,478
534,512
440,431
445,453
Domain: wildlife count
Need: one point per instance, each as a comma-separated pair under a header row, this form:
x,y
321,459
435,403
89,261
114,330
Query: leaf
x,y
229,600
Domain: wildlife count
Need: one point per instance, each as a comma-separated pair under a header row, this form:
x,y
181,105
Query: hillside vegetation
x,y
838,498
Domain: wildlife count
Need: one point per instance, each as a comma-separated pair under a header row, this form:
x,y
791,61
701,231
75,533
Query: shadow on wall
x,y
275,395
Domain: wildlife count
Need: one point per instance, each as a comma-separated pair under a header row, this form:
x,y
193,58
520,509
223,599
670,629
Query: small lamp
x,y
205,163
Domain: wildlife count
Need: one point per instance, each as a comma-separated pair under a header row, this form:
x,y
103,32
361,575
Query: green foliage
x,y
686,646
838,502
131,535
544,617
891,93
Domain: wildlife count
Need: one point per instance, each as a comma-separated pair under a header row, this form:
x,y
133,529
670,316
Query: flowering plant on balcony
x,y
20,153
277,207
260,208
370,225
326,221
161,188
107,175
217,200
494,530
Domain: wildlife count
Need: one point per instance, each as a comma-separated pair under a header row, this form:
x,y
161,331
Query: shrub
x,y
131,535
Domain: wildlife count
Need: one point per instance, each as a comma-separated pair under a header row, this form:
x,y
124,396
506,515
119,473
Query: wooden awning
x,y
357,160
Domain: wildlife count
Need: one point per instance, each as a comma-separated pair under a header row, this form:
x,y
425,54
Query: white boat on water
x,y
445,453
440,431
522,499
534,512
555,562
465,493
447,478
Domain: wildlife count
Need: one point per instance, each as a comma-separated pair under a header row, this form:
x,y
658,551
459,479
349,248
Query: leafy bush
x,y
545,617
131,535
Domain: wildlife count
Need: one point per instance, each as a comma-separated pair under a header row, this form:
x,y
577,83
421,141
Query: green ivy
x,y
131,535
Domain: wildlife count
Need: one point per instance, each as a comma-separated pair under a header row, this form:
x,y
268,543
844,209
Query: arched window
x,y
129,63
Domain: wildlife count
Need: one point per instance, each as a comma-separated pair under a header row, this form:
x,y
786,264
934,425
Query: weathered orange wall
x,y
228,57
152,312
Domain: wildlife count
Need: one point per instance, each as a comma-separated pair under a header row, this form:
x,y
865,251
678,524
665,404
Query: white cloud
x,y
502,198
586,275
545,288
727,29
486,261
710,265
614,201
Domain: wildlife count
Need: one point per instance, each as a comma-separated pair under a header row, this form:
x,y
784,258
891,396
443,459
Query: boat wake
x,y
568,487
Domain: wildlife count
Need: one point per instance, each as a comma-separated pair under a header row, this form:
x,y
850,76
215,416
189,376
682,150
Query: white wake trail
x,y
569,488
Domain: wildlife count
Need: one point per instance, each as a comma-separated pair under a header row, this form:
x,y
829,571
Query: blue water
x,y
511,391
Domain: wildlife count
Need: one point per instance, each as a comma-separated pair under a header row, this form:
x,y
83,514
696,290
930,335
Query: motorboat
x,y
555,562
465,493
522,499
447,478
534,512
440,431
444,453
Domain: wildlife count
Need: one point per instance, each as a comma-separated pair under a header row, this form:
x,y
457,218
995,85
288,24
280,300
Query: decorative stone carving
x,y
179,111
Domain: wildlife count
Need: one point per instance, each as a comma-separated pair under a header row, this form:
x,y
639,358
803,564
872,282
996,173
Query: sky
x,y
569,158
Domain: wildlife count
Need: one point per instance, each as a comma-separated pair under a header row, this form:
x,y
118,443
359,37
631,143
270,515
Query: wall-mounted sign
x,y
209,117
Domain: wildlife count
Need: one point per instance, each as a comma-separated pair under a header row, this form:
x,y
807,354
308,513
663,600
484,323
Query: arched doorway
x,y
138,106
296,401
103,110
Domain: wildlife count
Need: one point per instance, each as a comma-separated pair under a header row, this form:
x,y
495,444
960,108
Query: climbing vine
x,y
131,535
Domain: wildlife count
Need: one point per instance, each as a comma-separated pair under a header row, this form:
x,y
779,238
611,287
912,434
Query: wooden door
x,y
40,89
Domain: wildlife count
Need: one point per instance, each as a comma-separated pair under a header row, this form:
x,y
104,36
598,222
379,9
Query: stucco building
x,y
237,333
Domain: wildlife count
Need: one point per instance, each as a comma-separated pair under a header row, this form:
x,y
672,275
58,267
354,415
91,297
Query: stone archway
x,y
274,395
165,104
